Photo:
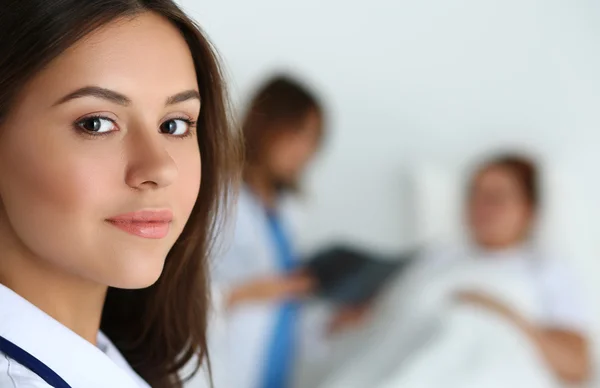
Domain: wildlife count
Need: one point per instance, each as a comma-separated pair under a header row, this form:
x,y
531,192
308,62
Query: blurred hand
x,y
347,318
273,289
565,351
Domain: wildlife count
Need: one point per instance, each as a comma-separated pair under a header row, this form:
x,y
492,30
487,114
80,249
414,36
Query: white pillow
x,y
436,200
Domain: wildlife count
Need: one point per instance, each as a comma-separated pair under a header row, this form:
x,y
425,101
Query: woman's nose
x,y
150,165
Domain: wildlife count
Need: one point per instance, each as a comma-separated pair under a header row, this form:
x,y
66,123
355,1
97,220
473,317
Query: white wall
x,y
428,80
415,80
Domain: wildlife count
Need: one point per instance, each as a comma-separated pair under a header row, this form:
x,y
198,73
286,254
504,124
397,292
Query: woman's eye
x,y
97,125
176,127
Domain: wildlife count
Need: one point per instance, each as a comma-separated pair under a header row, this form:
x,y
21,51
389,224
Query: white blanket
x,y
427,340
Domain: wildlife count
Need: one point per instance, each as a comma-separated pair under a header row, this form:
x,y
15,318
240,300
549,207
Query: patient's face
x,y
499,213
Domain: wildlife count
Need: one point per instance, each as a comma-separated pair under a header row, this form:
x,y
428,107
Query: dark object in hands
x,y
351,277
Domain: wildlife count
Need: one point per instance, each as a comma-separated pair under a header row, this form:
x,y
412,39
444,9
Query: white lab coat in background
x,y
240,338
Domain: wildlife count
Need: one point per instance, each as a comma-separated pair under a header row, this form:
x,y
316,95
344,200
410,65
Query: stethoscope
x,y
33,364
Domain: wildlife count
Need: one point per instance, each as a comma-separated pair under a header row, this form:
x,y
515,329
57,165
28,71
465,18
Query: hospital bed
x,y
436,198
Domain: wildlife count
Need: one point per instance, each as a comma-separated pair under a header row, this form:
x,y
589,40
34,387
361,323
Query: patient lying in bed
x,y
499,313
475,344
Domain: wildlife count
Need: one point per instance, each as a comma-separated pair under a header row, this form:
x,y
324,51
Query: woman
x,y
502,207
106,111
258,276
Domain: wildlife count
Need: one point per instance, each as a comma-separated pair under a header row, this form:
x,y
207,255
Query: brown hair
x,y
279,102
158,329
523,169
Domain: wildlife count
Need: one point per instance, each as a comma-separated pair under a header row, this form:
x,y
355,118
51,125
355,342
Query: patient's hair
x,y
522,168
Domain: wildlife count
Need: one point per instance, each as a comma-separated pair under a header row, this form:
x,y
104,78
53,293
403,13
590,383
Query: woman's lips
x,y
151,224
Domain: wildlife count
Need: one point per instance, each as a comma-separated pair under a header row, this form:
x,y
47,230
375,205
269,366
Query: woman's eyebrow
x,y
121,99
183,96
98,92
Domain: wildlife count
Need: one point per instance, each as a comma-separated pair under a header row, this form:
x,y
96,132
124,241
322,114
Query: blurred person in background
x,y
503,203
259,278
502,209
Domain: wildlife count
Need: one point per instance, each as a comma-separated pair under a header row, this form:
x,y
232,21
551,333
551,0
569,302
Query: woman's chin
x,y
137,283
143,275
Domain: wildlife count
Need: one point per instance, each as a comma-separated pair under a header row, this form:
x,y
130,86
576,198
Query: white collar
x,y
78,362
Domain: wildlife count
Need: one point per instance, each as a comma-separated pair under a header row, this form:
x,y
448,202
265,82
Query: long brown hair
x,y
158,329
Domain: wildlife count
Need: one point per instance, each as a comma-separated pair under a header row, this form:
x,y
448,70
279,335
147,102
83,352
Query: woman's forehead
x,y
140,57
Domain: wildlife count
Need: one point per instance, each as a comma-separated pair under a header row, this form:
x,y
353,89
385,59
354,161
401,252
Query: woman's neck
x,y
74,302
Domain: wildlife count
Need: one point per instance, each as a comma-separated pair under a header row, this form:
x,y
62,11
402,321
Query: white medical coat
x,y
240,338
75,360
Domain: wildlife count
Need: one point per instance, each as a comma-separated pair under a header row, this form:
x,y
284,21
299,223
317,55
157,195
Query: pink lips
x,y
152,224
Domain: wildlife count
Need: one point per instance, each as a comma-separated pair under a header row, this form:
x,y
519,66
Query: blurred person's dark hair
x,y
279,106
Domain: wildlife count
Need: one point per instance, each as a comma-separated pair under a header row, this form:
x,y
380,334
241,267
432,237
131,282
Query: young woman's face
x,y
500,214
292,149
99,167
